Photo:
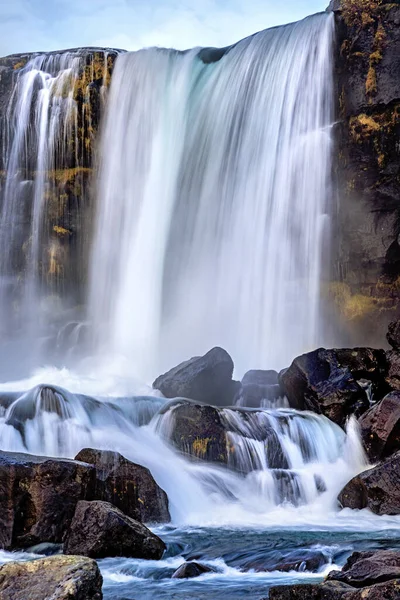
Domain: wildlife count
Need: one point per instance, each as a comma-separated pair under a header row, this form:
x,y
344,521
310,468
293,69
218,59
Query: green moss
x,y
359,13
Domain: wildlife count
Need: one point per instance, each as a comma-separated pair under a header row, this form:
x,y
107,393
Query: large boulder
x,y
128,486
380,428
191,569
259,386
393,335
38,496
99,529
364,569
205,378
55,578
377,489
327,381
334,590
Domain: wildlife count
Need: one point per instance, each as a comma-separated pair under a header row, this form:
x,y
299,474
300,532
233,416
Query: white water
x,y
214,201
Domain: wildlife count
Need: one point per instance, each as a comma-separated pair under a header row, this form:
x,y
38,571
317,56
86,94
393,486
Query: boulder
x,y
296,560
326,381
380,428
364,569
99,529
190,570
377,489
259,386
128,486
334,590
38,496
196,430
393,334
55,578
393,372
205,378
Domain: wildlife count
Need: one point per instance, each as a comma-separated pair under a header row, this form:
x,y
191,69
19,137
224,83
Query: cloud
x,y
32,25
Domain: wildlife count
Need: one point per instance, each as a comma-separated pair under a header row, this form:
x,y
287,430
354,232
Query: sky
x,y
44,25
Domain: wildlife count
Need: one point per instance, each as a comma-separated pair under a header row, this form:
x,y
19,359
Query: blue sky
x,y
33,25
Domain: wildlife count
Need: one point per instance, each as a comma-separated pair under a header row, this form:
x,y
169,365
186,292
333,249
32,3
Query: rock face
x,y
393,335
38,496
58,578
205,378
99,529
366,284
333,590
128,486
326,381
190,570
377,489
364,569
380,428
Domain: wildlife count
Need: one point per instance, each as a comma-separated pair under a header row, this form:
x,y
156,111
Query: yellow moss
x,y
200,446
359,13
61,230
19,65
362,127
370,84
351,306
64,175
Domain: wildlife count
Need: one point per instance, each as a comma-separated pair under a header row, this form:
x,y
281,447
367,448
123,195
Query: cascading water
x,y
214,200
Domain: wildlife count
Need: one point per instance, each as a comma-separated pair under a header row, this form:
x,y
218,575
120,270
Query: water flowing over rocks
x,y
259,388
364,569
380,428
128,486
38,496
55,578
190,570
205,378
377,489
99,529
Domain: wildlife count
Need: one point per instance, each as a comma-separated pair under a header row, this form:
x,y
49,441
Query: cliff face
x,y
52,159
366,286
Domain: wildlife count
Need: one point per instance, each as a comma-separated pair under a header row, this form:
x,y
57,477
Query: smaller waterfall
x,y
46,138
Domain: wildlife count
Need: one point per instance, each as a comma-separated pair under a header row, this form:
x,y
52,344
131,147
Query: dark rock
x,y
38,496
99,529
196,430
377,489
258,387
380,428
325,381
364,569
259,377
393,334
58,578
191,569
390,590
393,373
205,378
297,560
331,590
128,486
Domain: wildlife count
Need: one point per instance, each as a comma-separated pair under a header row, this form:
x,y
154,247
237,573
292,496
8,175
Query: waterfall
x,y
214,200
45,157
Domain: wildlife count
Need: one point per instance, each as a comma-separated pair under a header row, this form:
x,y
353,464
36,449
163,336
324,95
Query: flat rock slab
x,y
55,578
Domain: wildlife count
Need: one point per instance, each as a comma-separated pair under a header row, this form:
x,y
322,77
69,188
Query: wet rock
x,y
99,529
380,428
393,334
128,486
38,496
364,569
331,590
377,489
390,590
298,560
325,381
393,373
205,378
58,578
196,430
190,570
259,386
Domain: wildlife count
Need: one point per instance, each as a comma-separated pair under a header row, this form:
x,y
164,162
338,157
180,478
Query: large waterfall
x,y
214,200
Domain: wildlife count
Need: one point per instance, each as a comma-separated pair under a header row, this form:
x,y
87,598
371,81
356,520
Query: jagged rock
x,y
190,570
297,560
196,430
38,496
377,489
128,486
393,334
334,590
55,578
258,386
380,428
205,378
393,373
326,381
99,529
364,569
331,590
